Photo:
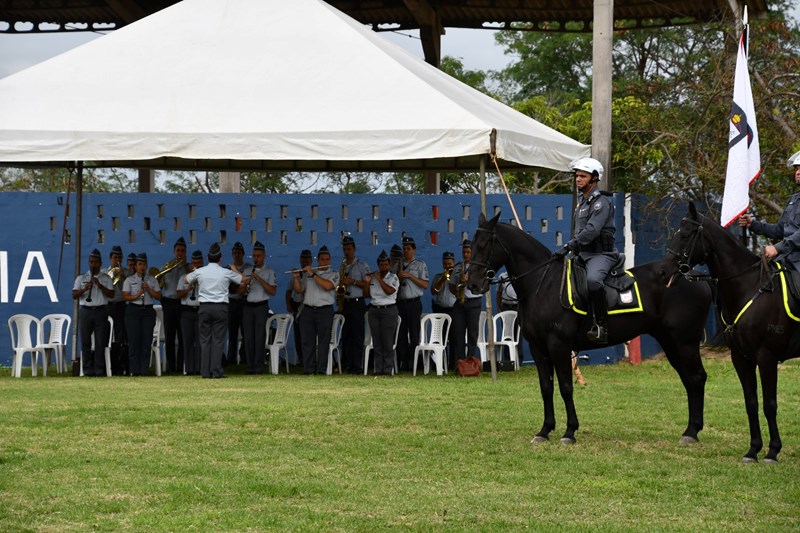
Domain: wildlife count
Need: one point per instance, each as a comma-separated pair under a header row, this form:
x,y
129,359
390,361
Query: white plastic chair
x,y
155,345
283,328
58,325
368,346
483,351
335,344
106,348
506,333
22,342
434,328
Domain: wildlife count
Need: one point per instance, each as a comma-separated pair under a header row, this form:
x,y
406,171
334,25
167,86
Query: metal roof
x,y
33,16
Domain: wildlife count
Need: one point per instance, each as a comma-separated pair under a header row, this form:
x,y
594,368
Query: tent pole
x,y
77,240
489,315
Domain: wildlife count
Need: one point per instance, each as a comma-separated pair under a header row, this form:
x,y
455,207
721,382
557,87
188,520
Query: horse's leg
x,y
746,370
563,367
544,369
769,393
685,359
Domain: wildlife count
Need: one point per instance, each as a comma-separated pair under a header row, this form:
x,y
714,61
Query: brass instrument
x,y
164,270
341,290
462,286
447,273
301,270
115,273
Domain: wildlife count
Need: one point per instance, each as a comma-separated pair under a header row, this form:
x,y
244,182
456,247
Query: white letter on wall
x,y
46,281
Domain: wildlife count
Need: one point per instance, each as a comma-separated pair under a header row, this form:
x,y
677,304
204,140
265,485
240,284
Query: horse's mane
x,y
722,233
536,246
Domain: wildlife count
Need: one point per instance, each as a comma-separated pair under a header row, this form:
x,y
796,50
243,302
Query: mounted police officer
x,y
787,229
593,241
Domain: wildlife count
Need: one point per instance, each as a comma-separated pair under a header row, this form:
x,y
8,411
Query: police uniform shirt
x,y
316,296
409,289
171,281
445,298
213,283
376,293
187,300
508,294
594,215
244,267
454,281
98,299
787,229
356,270
133,284
257,292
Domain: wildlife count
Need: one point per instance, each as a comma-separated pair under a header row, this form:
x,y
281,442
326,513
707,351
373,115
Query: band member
x,y
382,291
443,299
395,258
213,288
318,287
93,289
140,290
236,307
466,311
171,306
413,274
190,325
294,301
131,268
352,282
116,306
256,291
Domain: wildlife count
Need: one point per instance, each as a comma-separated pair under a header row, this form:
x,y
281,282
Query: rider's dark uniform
x,y
593,243
787,229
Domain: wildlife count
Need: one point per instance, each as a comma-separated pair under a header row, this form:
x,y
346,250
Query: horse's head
x,y
488,255
690,245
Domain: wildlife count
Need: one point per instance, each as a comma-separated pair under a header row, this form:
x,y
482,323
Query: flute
x,y
315,269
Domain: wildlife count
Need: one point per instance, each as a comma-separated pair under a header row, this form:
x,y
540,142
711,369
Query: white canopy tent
x,y
260,85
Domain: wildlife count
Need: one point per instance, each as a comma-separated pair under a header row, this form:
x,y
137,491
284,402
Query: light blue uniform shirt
x,y
98,299
376,292
171,280
409,289
187,300
133,284
356,270
457,270
213,282
316,296
445,298
257,292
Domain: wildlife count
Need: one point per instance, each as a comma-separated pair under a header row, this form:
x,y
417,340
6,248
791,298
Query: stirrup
x,y
598,334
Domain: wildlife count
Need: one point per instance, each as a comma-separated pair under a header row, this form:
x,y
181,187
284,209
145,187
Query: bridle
x,y
491,273
684,264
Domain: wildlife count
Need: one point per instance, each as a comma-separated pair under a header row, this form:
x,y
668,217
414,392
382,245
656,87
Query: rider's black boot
x,y
599,331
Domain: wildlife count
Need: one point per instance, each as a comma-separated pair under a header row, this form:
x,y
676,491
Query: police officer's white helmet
x,y
794,161
588,164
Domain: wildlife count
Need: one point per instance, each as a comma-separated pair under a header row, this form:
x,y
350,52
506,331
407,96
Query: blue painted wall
x,y
32,228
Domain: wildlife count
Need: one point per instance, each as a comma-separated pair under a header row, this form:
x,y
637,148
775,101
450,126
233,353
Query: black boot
x,y
599,331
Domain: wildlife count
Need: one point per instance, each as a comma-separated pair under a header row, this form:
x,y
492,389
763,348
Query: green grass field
x,y
349,453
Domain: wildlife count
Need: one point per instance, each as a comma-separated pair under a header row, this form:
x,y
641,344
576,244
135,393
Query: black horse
x,y
674,316
758,329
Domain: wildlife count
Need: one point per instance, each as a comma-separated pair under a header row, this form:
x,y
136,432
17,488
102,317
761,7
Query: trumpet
x,y
167,267
447,273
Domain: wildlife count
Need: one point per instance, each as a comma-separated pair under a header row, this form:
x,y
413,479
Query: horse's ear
x,y
495,219
692,210
481,219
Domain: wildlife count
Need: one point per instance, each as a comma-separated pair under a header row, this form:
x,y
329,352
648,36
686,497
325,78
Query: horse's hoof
x,y
748,460
687,441
567,440
538,439
768,461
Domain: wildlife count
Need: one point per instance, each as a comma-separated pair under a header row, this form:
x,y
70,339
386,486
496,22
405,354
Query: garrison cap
x,y
448,255
197,254
323,250
347,239
179,242
305,254
383,257
409,241
258,246
95,253
142,257
116,249
238,247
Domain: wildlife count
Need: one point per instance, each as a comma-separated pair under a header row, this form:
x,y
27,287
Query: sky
x,y
476,48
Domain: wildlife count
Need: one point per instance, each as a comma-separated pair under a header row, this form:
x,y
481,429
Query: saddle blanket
x,y
622,291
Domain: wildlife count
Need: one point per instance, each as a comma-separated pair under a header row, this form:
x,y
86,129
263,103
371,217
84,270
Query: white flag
x,y
744,157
